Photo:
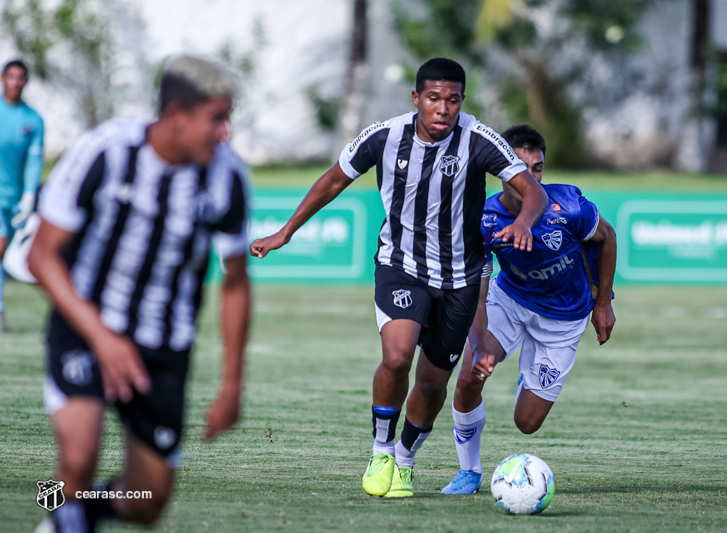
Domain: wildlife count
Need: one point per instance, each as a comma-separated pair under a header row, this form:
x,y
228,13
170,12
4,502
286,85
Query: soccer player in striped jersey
x,y
430,168
21,160
128,215
540,300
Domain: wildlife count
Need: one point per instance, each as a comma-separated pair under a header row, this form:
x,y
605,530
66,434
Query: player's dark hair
x,y
440,69
16,63
524,136
174,88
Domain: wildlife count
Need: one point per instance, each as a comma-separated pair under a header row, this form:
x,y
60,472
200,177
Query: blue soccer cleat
x,y
466,482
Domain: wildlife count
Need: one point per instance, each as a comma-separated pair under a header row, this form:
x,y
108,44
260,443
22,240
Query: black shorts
x,y
155,417
445,315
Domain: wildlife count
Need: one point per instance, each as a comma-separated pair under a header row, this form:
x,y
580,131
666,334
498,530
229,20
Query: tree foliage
x,y
537,56
69,44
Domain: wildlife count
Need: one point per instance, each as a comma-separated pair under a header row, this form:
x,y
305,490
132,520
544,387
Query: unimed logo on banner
x,y
673,240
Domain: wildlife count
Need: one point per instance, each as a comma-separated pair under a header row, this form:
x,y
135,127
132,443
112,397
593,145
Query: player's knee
x,y
79,461
468,394
432,386
527,425
398,361
469,384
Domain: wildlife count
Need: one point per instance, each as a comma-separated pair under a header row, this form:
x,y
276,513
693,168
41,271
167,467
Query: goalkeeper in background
x,y
21,160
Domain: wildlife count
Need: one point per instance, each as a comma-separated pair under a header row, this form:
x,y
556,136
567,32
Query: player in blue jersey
x,y
540,300
21,159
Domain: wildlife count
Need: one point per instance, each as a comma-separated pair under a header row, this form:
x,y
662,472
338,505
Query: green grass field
x,y
637,441
304,176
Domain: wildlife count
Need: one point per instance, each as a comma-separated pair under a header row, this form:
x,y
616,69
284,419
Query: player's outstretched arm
x,y
324,190
534,202
121,367
602,317
234,322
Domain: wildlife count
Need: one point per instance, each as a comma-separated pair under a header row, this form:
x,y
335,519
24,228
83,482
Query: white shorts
x,y
548,346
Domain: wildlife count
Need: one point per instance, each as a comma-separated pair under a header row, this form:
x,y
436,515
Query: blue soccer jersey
x,y
549,280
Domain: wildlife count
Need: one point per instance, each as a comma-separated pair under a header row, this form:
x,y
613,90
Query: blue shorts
x,y
6,228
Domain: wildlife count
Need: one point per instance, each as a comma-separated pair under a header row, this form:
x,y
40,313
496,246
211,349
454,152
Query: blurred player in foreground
x,y
431,169
540,300
21,160
128,216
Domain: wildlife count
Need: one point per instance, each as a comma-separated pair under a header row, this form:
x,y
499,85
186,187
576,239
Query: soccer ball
x,y
523,484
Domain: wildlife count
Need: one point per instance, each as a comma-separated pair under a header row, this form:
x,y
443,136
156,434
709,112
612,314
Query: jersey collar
x,y
438,143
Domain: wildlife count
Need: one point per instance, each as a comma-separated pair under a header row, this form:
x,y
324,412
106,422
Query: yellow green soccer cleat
x,y
377,479
401,484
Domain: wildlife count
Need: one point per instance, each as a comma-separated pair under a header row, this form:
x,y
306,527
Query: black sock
x,y
411,433
100,508
384,420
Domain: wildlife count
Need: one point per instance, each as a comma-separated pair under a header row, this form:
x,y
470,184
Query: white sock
x,y
384,447
405,457
467,433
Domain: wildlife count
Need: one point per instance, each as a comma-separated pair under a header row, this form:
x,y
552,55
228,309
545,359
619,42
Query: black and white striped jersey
x,y
433,194
143,228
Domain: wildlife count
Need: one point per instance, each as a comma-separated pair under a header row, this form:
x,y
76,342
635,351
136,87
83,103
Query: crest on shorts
x,y
402,298
50,494
77,367
164,437
547,376
449,165
553,240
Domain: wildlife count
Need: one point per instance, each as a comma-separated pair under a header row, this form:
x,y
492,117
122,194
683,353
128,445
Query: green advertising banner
x,y
663,237
336,245
667,237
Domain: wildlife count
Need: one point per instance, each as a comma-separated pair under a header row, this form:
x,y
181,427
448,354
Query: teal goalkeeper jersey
x,y
21,151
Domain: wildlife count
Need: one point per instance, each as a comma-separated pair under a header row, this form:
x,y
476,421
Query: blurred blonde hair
x,y
191,79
